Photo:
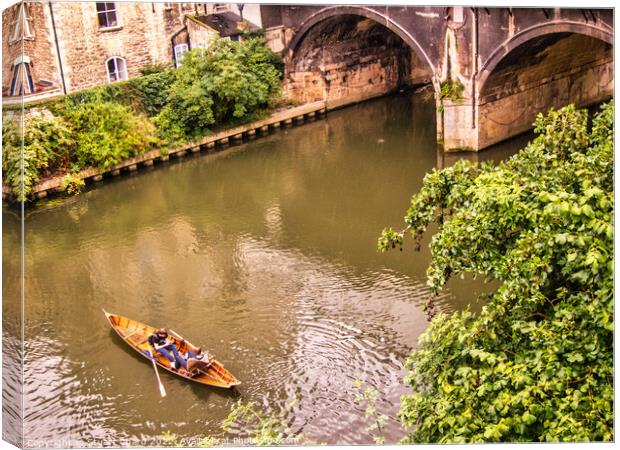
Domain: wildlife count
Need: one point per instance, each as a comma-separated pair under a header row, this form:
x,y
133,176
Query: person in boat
x,y
163,344
197,361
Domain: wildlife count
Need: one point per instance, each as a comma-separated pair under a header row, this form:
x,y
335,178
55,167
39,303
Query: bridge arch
x,y
534,32
545,66
350,53
332,11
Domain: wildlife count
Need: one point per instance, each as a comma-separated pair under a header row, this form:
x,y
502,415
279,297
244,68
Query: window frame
x,y
177,47
105,14
116,72
22,23
22,69
215,8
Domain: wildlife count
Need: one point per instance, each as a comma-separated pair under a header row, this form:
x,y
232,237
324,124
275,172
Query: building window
x,y
106,13
22,82
179,53
22,25
457,14
214,8
454,15
116,69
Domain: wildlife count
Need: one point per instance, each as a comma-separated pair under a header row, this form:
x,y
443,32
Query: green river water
x,y
264,253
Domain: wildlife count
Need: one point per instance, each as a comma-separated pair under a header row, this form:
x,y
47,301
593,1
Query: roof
x,y
226,23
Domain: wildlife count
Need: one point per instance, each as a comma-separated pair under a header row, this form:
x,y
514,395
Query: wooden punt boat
x,y
136,334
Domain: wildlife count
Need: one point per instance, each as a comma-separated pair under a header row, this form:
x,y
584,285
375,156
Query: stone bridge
x,y
491,69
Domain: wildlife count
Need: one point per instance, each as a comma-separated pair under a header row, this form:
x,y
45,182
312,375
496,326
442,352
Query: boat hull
x,y
136,335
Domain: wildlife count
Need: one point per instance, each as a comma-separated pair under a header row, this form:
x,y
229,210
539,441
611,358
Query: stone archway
x,y
368,13
343,54
539,31
549,65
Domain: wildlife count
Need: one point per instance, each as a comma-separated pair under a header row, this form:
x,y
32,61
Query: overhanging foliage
x,y
537,363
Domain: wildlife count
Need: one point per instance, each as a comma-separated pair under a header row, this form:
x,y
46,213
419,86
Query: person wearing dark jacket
x,y
164,346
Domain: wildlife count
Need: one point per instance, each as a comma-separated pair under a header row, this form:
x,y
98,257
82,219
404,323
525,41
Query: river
x,y
264,253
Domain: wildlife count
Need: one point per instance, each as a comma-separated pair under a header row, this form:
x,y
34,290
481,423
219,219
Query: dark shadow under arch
x,y
540,30
332,11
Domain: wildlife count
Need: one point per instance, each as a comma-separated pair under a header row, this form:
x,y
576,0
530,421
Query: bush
x,y
245,77
152,90
47,146
537,363
112,92
102,126
151,69
452,90
146,94
228,82
107,133
188,112
72,184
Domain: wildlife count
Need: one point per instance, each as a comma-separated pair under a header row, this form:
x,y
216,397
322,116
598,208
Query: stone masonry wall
x,y
513,115
143,36
39,47
363,76
200,35
349,59
563,69
10,50
140,38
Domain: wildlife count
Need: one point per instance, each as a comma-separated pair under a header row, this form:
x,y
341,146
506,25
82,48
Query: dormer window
x,y
22,25
107,15
22,82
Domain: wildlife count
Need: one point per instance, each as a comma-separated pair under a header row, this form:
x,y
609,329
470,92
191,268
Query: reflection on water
x,y
494,153
12,361
265,254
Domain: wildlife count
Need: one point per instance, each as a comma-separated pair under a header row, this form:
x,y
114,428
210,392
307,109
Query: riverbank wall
x,y
211,143
218,141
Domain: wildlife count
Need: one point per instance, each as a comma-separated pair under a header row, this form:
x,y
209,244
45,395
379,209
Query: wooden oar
x,y
162,391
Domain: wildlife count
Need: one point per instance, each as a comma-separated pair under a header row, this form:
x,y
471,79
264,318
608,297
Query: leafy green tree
x,y
151,69
224,83
536,364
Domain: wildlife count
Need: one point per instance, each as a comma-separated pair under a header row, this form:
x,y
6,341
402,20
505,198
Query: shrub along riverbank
x,y
230,83
537,363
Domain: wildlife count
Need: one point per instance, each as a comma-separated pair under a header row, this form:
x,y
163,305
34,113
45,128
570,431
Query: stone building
x,y
52,48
